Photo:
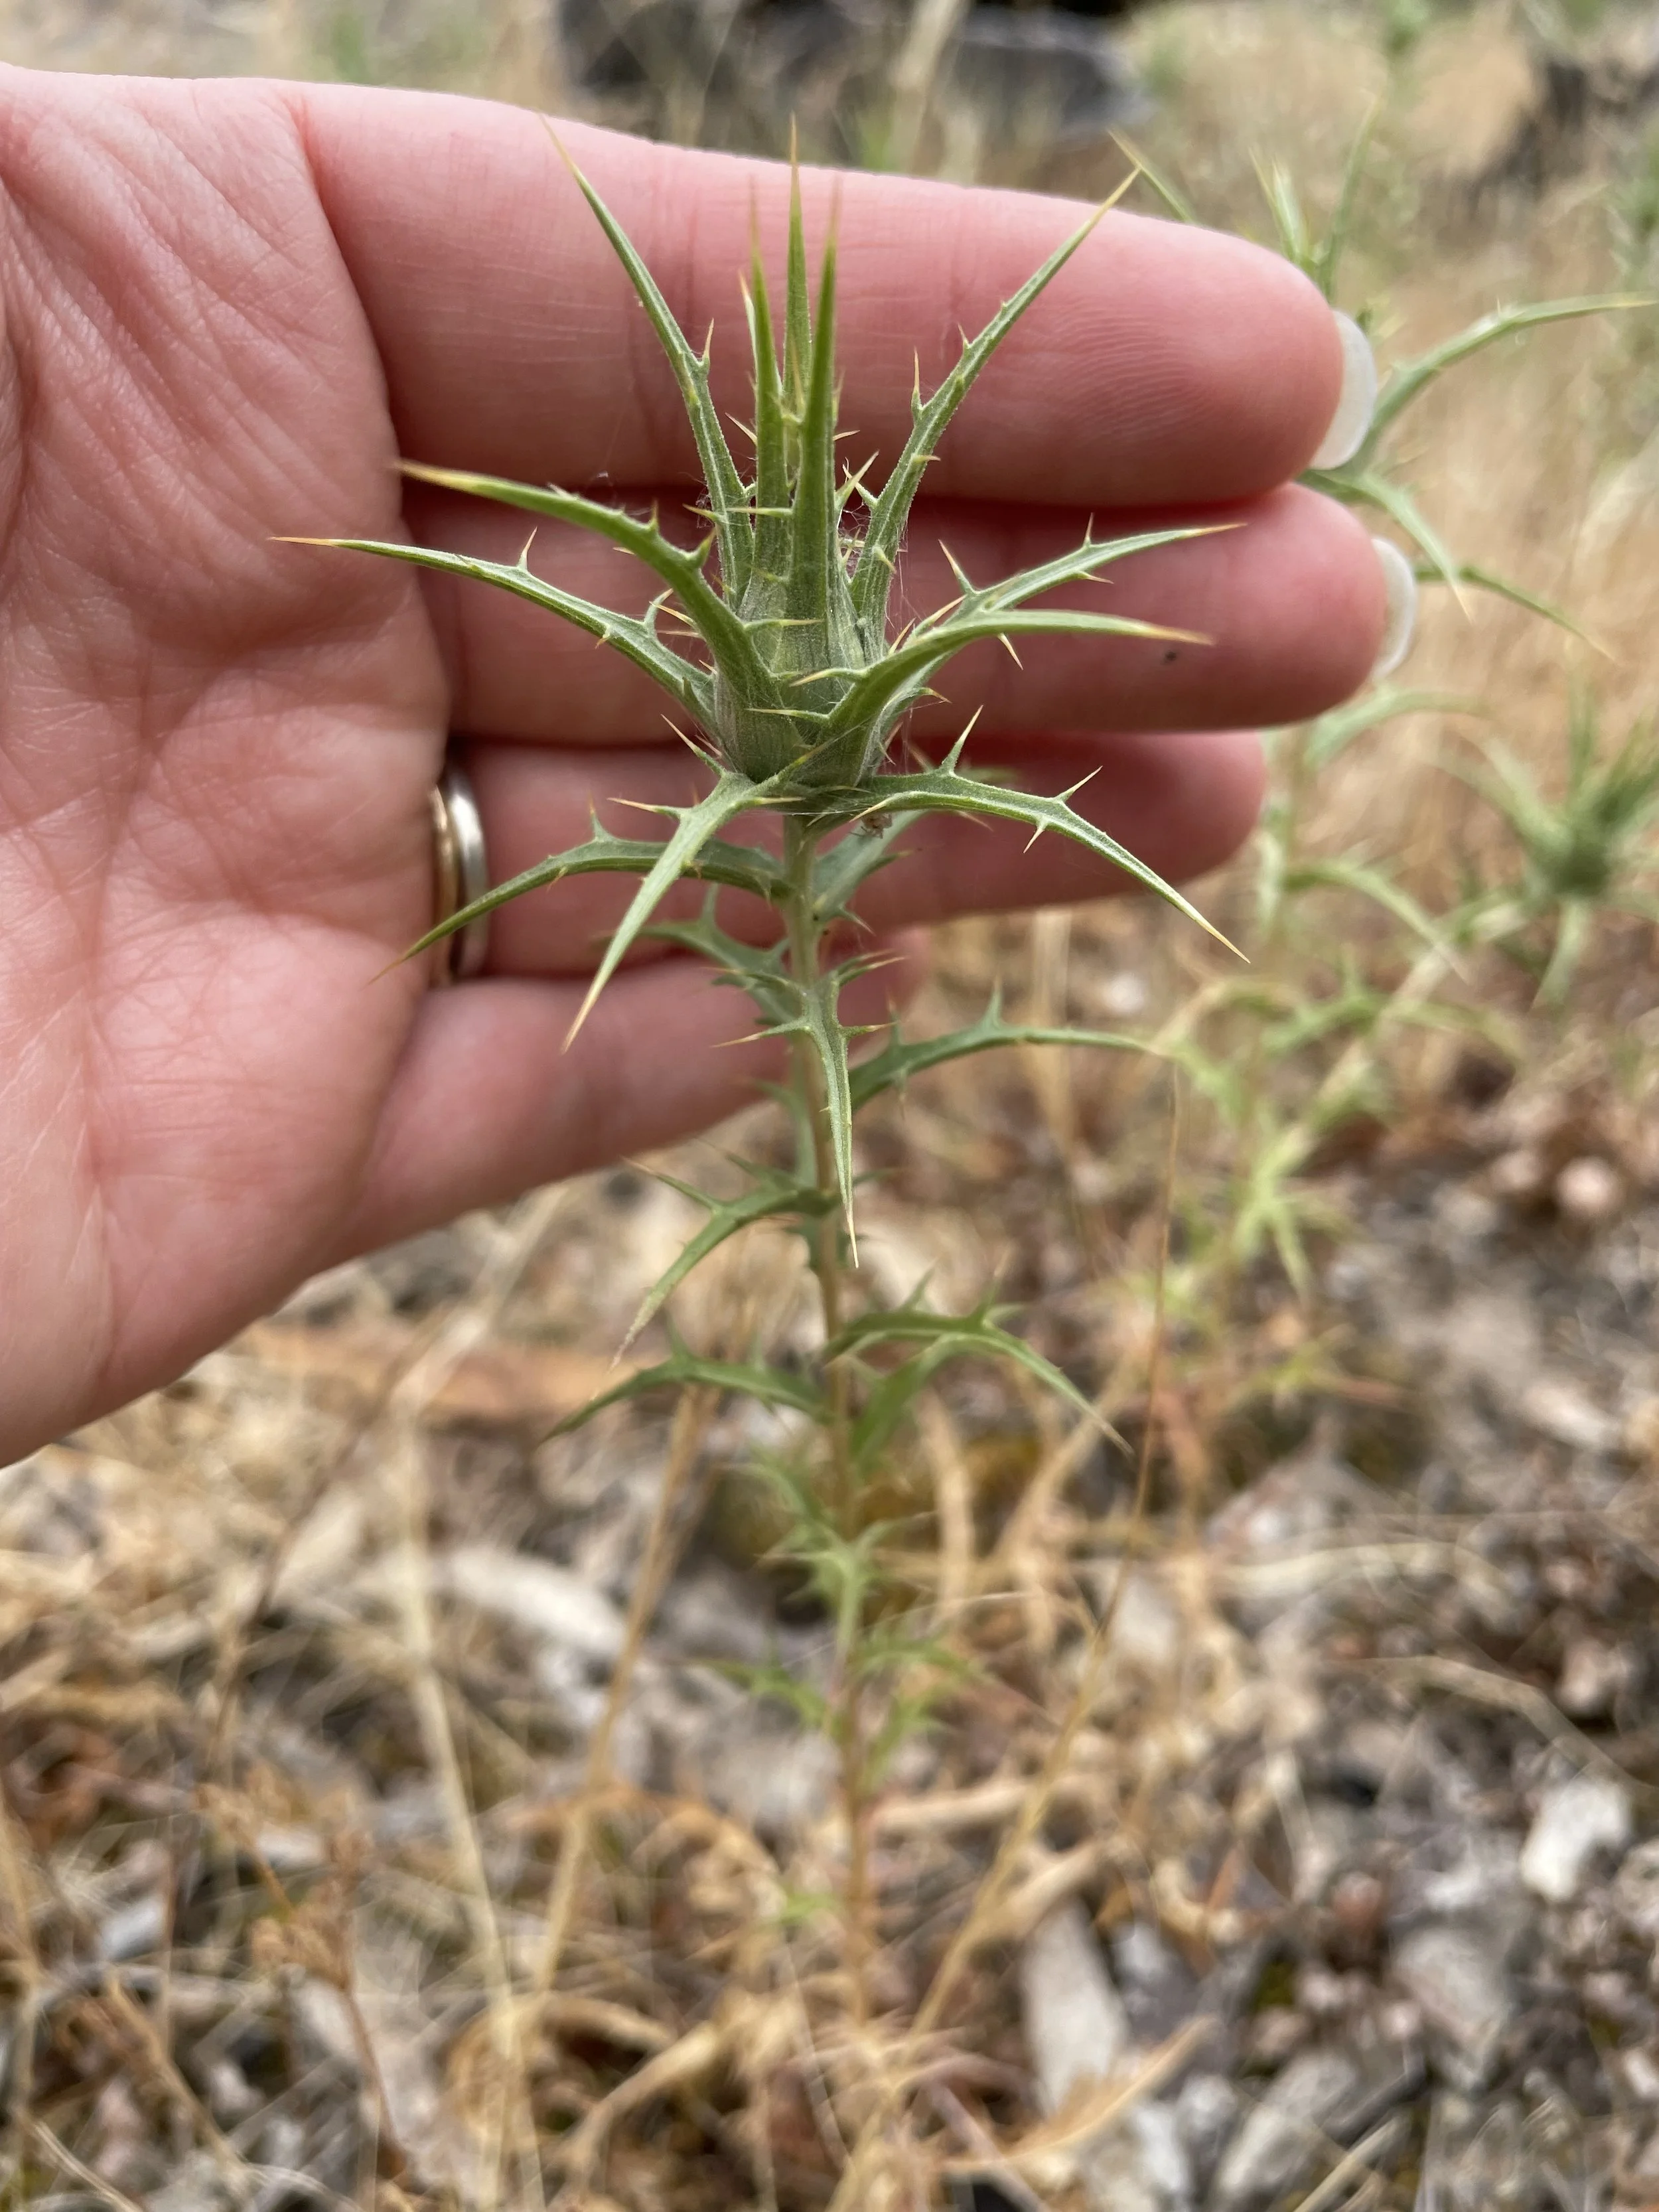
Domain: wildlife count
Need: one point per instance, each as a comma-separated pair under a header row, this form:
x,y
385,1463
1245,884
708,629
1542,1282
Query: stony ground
x,y
1353,1865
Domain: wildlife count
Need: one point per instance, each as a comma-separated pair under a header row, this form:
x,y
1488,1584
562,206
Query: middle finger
x,y
1290,599
1181,804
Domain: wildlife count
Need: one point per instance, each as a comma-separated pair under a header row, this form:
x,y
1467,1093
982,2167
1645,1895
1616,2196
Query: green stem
x,y
806,937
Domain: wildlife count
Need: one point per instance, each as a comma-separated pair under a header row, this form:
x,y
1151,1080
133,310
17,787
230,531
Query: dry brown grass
x,y
379,1824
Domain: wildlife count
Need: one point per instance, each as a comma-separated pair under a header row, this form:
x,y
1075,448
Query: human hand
x,y
229,307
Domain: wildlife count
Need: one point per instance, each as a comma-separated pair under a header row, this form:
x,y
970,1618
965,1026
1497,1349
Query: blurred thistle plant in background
x,y
1288,1067
1587,854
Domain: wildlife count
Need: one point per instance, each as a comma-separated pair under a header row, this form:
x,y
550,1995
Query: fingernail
x,y
1357,401
1399,580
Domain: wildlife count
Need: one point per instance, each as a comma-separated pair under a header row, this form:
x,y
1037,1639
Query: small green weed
x,y
1588,853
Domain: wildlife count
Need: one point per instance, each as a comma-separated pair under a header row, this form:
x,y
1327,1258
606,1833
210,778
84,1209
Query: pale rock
x,y
1469,1216
1399,2021
1145,1630
1077,2027
387,1970
776,1782
326,1545
1078,2032
292,1850
1484,1880
1636,1890
1165,2168
197,2185
411,1811
1121,996
1577,1821
1160,1989
1592,1672
1520,1175
1589,1191
231,2096
1454,1973
1275,2033
1641,2074
1326,1840
122,2129
1288,2133
1323,1994
1489,1338
1561,1412
544,1601
1295,1502
1206,2107
1645,2165
282,2146
714,1612
133,1930
565,1678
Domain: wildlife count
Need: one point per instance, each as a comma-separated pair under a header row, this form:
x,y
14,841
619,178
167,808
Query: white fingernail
x,y
1357,401
1399,579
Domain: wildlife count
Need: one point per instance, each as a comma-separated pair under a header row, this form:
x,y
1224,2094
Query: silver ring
x,y
461,872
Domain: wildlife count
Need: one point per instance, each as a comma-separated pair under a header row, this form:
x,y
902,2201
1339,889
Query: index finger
x,y
1165,364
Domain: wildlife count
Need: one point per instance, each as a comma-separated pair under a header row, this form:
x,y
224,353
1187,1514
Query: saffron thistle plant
x,y
794,691
773,638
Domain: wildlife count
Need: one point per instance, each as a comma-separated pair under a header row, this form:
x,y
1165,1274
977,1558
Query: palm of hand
x,y
213,827
227,306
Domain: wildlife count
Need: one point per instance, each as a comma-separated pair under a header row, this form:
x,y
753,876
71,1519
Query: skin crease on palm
x,y
228,307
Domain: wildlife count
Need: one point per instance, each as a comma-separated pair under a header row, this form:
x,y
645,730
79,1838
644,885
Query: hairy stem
x,y
806,936
806,939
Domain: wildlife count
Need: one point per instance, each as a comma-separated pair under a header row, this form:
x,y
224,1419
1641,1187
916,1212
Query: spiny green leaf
x,y
797,308
1330,737
876,696
1372,884
1365,488
941,1338
769,1196
1509,788
681,679
740,867
1355,1007
1173,198
759,969
726,638
1575,918
1285,205
1081,565
820,1022
819,590
891,1067
1484,580
891,512
771,434
1412,379
1324,264
770,1679
733,794
771,1386
728,496
839,869
946,789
